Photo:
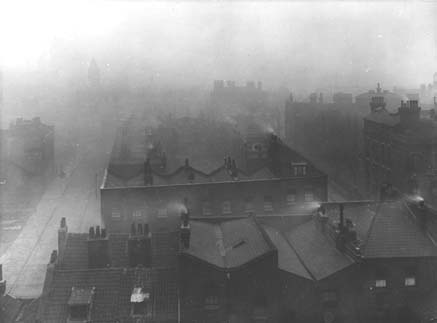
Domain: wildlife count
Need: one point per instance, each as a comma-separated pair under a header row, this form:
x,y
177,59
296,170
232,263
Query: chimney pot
x,y
98,231
146,229
91,233
63,222
103,233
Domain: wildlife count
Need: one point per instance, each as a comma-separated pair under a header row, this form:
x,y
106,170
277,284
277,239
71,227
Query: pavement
x,y
74,197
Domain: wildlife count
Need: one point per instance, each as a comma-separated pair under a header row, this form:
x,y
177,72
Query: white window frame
x,y
308,192
268,205
226,208
291,197
116,214
137,213
410,281
380,283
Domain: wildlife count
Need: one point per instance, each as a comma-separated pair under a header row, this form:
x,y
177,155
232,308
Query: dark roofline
x,y
230,269
221,182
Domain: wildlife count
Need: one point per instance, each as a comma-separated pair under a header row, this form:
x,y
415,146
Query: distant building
x,y
265,177
400,148
392,99
30,146
329,134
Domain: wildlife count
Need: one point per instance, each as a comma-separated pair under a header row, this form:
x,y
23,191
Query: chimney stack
x,y
185,229
62,236
2,282
140,245
148,175
409,113
98,248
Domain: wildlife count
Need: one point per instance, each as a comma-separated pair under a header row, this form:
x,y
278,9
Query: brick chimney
x,y
376,103
409,113
98,248
148,175
62,236
185,232
2,282
140,245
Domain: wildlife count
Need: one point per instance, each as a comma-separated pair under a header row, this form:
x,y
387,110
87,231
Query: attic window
x,y
299,169
80,302
139,300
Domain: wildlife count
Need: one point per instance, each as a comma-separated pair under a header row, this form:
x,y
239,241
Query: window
x,y
329,298
248,205
299,169
309,196
211,296
137,213
226,207
410,277
380,283
291,197
162,212
206,208
410,281
116,214
268,203
138,299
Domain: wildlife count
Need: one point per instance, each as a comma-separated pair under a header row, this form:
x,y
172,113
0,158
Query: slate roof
x,y
165,247
113,289
317,251
383,116
229,244
288,260
394,233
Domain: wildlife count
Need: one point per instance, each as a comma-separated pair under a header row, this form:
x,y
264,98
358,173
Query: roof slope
x,y
113,288
317,251
288,260
394,233
229,244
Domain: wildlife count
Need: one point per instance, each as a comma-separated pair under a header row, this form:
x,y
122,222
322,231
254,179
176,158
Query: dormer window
x,y
140,302
299,169
80,303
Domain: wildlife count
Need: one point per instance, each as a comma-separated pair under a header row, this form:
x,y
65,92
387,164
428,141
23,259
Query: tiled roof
x,y
317,251
113,288
182,176
383,116
288,260
228,244
395,233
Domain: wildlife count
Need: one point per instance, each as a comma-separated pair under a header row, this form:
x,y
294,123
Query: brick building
x,y
30,146
272,178
329,134
400,149
359,262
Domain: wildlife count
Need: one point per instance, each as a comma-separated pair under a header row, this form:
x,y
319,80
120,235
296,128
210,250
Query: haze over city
x,y
218,162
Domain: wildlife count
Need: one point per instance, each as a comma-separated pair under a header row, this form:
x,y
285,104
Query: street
x,y
73,197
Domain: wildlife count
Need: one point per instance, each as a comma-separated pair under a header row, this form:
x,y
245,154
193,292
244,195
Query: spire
x,y
93,74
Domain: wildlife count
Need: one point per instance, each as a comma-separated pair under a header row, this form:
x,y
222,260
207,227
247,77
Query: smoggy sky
x,y
295,44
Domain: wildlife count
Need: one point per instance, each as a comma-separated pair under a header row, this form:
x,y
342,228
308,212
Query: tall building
x,y
400,148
